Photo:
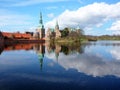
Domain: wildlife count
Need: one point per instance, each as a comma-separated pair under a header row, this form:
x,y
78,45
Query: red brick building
x,y
8,35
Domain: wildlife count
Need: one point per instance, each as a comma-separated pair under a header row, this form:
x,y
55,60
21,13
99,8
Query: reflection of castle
x,y
40,50
53,48
57,51
1,43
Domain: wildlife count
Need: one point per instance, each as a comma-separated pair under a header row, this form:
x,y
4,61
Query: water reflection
x,y
100,58
1,48
40,50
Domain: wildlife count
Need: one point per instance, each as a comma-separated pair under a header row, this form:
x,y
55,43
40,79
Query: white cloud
x,y
116,53
115,26
93,15
51,15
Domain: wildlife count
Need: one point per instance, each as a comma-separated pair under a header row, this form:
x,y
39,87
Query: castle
x,y
39,33
38,36
53,33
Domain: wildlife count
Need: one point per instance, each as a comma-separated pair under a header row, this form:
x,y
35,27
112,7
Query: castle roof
x,y
16,35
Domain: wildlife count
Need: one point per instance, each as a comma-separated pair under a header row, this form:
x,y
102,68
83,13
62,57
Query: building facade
x,y
57,31
53,33
40,31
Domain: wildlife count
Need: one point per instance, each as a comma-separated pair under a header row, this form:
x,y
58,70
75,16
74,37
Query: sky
x,y
95,17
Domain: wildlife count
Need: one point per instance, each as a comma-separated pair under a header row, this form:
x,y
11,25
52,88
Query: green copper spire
x,y
41,22
57,55
41,26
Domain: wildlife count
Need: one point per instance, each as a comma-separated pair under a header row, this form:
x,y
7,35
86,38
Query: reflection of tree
x,y
57,51
68,49
65,48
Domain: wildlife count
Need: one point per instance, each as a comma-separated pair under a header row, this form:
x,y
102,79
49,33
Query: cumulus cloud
x,y
93,15
115,27
116,53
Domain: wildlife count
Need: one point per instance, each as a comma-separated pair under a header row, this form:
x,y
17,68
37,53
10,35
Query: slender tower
x,y
40,28
41,21
57,32
57,26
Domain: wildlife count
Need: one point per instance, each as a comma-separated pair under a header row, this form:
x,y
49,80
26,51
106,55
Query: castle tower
x,y
56,26
57,31
40,30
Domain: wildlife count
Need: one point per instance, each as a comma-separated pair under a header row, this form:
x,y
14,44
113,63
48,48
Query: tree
x,y
65,32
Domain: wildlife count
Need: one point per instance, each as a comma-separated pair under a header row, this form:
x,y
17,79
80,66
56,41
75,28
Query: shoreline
x,y
19,41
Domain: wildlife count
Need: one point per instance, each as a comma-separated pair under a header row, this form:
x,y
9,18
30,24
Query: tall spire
x,y
41,21
57,26
41,26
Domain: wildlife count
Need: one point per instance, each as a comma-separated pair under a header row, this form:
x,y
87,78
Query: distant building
x,y
57,31
53,33
48,34
8,35
40,31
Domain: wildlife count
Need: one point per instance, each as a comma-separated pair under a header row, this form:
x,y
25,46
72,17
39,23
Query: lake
x,y
88,66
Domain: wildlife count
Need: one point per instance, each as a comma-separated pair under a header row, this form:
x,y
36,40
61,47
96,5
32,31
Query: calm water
x,y
90,66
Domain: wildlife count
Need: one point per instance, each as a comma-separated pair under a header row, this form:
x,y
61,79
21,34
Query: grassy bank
x,y
71,40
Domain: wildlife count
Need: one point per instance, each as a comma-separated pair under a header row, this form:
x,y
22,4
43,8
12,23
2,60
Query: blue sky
x,y
95,17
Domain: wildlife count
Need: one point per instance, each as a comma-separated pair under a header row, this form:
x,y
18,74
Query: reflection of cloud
x,y
50,55
90,64
116,53
51,64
